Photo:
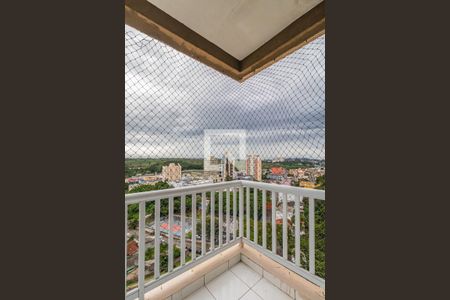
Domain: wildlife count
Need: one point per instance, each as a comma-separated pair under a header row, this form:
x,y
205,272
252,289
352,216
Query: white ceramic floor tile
x,y
251,295
200,294
266,290
246,274
227,286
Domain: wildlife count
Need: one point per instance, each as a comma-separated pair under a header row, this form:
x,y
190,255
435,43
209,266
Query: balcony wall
x,y
256,236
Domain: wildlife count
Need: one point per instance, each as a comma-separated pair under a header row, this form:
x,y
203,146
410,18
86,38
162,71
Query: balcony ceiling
x,y
238,27
236,37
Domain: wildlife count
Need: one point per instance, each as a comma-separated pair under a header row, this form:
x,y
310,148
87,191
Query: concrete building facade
x,y
172,172
253,166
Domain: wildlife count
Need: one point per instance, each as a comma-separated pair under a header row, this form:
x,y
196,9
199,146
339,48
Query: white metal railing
x,y
231,237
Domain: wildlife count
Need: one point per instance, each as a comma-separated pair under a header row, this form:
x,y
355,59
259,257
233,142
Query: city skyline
x,y
273,158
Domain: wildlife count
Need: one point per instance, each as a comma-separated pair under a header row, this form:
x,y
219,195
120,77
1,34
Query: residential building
x,y
296,172
275,177
172,172
278,171
132,248
227,167
253,166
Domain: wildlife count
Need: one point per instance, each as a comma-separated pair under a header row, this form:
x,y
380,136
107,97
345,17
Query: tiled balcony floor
x,y
240,282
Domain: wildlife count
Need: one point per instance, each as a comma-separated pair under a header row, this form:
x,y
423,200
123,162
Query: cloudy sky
x,y
171,99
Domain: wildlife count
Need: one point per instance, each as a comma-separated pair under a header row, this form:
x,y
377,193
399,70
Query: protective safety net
x,y
171,99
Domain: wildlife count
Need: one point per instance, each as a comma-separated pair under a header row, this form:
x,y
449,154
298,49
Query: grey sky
x,y
170,99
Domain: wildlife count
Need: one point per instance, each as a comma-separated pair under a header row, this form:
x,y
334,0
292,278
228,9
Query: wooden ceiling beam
x,y
154,22
302,31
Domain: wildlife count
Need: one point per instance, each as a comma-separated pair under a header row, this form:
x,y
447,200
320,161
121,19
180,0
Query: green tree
x,y
150,253
320,182
319,215
160,185
133,209
148,166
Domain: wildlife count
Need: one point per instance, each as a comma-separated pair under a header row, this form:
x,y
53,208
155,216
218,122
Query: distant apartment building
x,y
227,167
253,166
172,172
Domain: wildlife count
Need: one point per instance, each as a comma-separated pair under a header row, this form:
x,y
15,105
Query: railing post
x,y
213,229
248,213
170,267
255,215
285,241
220,217
183,227
234,213
312,238
141,254
241,211
194,227
297,230
227,216
279,195
274,223
203,223
157,238
264,221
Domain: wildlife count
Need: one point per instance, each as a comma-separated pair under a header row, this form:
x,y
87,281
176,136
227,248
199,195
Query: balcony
x,y
212,242
229,98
